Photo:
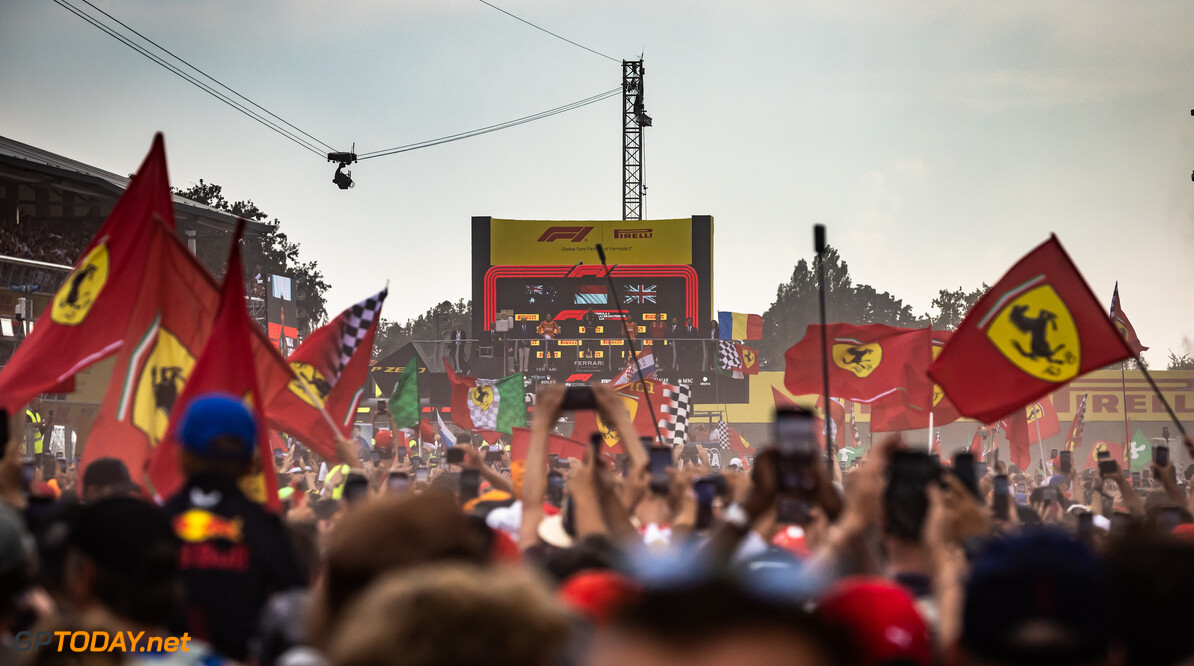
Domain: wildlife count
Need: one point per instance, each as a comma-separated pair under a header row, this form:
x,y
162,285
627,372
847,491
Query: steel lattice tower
x,y
634,119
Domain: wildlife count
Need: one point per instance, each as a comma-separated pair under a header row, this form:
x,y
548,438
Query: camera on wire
x,y
342,177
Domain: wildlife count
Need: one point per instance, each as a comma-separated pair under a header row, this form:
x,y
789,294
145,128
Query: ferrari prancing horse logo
x,y
1036,332
481,396
78,293
861,359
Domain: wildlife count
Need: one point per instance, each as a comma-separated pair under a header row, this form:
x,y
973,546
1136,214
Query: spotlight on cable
x,y
343,178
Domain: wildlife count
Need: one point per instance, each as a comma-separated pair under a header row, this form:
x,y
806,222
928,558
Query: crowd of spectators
x,y
420,555
51,242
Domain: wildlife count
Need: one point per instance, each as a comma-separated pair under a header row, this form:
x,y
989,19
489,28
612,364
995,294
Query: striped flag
x,y
1123,325
739,326
1073,438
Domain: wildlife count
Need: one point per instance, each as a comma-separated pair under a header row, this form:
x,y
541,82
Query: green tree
x,y
952,306
268,253
796,306
1183,362
435,324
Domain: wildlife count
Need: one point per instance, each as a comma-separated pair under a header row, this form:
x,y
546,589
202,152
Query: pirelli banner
x,y
528,270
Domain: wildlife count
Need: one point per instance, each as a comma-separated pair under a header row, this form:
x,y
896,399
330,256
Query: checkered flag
x,y
723,434
728,356
676,408
354,324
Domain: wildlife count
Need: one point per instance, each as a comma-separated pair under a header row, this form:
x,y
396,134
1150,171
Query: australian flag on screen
x,y
641,294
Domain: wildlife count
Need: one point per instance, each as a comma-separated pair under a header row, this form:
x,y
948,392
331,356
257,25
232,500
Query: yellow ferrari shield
x,y
159,384
1036,332
610,437
78,293
481,396
938,393
1034,412
861,359
309,384
748,358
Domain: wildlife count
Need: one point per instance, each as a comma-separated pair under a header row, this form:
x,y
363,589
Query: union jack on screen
x,y
641,294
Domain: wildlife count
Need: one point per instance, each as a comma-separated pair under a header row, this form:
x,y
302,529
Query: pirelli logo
x,y
570,234
633,233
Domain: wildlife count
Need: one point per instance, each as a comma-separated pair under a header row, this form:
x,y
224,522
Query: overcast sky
x,y
938,141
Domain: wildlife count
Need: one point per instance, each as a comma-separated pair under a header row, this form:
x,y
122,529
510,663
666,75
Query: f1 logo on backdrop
x,y
571,234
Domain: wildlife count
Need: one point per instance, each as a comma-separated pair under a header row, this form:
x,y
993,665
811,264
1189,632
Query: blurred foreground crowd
x,y
464,556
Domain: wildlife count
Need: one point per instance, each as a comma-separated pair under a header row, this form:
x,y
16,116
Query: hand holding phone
x,y
1001,498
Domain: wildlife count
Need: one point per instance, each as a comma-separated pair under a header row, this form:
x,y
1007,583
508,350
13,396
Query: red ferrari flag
x,y
564,448
892,415
1015,427
333,362
226,365
165,334
866,363
750,359
1038,328
1125,327
1042,420
88,316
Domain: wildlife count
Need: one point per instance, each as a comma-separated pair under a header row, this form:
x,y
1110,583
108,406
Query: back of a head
x,y
103,474
453,615
716,621
881,620
1150,573
384,535
135,553
1034,598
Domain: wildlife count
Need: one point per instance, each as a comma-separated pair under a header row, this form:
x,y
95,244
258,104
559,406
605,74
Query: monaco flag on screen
x,y
1037,329
87,318
866,363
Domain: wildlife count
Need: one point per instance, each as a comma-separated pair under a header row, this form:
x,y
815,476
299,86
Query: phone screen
x,y
793,432
1000,499
964,469
706,490
454,456
421,475
397,481
355,488
1161,455
555,488
1065,461
470,483
659,462
905,502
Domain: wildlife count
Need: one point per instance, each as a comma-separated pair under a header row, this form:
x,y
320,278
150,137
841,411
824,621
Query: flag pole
x,y
630,341
1040,442
819,246
1123,393
1156,390
931,432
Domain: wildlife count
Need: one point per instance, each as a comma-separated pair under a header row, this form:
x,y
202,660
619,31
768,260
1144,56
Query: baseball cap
x,y
736,462
881,618
597,595
384,439
1036,597
215,415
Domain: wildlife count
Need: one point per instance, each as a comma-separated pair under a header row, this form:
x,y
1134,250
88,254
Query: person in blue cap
x,y
234,553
